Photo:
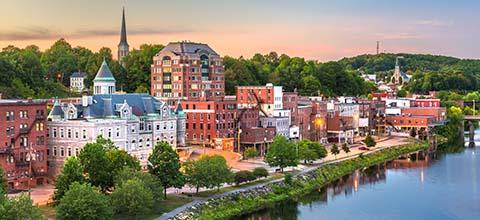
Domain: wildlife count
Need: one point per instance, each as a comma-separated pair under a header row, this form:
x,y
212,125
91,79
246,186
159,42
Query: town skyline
x,y
314,30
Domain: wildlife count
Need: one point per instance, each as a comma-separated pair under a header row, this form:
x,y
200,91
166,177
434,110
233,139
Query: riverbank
x,y
260,197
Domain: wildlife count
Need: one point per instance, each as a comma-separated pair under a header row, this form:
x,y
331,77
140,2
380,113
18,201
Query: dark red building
x,y
23,149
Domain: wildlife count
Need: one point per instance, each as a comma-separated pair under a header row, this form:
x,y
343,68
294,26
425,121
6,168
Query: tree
x,y
250,152
260,172
72,172
118,159
20,207
319,149
164,163
96,165
82,201
243,176
402,93
306,153
334,150
150,181
369,141
208,172
133,198
345,148
281,153
3,183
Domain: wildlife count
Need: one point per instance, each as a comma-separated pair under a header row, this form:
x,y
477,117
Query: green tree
x,y
334,150
306,153
250,152
164,163
345,148
132,198
3,183
243,176
72,172
96,165
82,201
19,208
150,181
118,159
260,172
208,172
281,153
319,149
369,141
138,64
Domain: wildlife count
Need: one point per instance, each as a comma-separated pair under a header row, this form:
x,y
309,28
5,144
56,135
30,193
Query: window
x,y
84,134
62,152
69,152
69,133
55,151
118,132
62,134
54,132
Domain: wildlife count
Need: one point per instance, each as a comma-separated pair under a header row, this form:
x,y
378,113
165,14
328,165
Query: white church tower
x,y
104,82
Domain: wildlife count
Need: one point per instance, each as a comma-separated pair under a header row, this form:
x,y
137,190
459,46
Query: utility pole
x,y
378,47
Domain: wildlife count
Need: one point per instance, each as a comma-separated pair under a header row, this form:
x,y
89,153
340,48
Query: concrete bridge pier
x,y
471,134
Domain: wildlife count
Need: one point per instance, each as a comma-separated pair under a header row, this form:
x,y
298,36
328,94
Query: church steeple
x,y
123,47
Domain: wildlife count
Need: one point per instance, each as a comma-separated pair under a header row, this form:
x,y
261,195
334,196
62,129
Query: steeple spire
x,y
123,47
123,33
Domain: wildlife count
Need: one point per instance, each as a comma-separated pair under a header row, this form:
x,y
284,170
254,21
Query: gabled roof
x,y
104,73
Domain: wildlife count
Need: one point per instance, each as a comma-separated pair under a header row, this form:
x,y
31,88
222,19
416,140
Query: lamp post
x,y
31,155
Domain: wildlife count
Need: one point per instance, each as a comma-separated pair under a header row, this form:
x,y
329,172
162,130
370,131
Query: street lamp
x,y
31,155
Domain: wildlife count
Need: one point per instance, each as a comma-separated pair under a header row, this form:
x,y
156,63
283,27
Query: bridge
x,y
471,128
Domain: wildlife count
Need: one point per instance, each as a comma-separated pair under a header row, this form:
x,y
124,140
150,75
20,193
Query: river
x,y
438,187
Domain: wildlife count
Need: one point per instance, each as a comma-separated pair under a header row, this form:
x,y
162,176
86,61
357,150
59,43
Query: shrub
x,y
250,152
243,176
260,172
370,142
288,179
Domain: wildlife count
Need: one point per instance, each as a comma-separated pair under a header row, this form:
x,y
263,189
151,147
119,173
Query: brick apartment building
x,y
438,113
23,149
186,70
208,120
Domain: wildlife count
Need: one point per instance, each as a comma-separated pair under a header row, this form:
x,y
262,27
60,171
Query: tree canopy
x,y
164,163
282,153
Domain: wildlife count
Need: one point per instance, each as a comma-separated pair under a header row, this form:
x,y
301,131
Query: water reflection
x,y
415,186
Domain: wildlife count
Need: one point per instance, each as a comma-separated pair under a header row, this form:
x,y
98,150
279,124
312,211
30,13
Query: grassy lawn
x,y
231,188
172,202
158,209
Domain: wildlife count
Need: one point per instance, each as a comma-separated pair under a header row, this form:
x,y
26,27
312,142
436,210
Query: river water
x,y
437,187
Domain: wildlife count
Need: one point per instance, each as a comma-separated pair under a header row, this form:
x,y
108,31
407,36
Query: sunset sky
x,y
316,29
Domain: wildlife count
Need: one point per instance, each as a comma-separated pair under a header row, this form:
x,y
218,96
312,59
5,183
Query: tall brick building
x,y
186,70
23,149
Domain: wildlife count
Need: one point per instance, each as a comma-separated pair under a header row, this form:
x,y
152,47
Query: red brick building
x,y
439,114
406,122
207,120
23,149
268,98
319,121
187,70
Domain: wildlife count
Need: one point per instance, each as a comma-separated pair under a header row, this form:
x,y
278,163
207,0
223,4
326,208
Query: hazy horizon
x,y
317,30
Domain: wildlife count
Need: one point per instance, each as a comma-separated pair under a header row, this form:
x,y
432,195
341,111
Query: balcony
x,y
39,117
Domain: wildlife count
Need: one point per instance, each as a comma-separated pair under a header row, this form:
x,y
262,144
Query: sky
x,y
315,29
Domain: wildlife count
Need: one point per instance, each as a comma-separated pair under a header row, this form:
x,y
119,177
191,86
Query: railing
x,y
22,163
39,117
24,130
6,150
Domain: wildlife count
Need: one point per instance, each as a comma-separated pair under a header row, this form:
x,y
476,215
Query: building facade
x,y
268,98
186,70
77,82
23,147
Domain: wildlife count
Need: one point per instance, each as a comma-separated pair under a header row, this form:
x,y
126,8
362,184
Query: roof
x,y
104,73
78,74
184,47
109,106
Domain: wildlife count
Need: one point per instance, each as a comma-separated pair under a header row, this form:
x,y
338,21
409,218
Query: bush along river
x,y
279,196
444,185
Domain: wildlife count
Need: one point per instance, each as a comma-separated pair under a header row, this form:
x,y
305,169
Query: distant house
x,y
77,81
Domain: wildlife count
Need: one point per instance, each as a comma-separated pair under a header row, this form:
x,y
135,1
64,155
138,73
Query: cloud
x,y
41,33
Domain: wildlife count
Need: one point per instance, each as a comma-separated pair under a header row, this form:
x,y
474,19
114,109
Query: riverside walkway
x,y
381,144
